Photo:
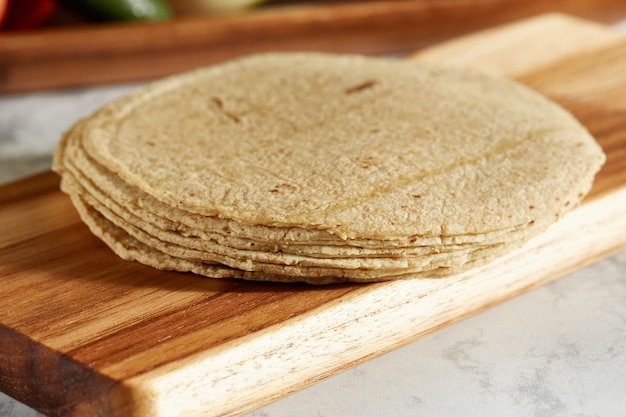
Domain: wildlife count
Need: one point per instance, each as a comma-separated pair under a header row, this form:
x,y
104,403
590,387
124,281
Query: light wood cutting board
x,y
83,333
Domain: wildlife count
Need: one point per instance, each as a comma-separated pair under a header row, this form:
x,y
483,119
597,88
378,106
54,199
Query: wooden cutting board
x,y
84,333
79,55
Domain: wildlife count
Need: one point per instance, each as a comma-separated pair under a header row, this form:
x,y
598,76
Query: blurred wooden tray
x,y
87,55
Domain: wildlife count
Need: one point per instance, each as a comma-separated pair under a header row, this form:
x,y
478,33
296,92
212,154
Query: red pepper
x,y
25,14
3,10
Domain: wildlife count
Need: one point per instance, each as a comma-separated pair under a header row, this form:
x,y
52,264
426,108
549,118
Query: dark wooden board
x,y
73,56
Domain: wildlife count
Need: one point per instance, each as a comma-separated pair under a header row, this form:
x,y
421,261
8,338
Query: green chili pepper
x,y
123,10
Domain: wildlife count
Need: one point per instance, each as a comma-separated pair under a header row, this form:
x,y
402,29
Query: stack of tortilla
x,y
325,168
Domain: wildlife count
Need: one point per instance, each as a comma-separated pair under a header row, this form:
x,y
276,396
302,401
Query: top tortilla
x,y
358,147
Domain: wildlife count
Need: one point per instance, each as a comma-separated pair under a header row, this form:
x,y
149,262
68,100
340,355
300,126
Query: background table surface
x,y
559,350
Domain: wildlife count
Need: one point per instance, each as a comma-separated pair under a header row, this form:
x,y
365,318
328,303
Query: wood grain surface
x,y
84,333
74,56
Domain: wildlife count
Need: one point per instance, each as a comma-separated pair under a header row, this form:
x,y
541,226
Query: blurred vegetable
x,y
25,14
211,6
3,10
122,10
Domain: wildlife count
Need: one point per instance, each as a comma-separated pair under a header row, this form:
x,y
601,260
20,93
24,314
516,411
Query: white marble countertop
x,y
559,350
